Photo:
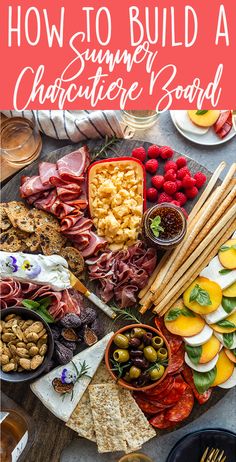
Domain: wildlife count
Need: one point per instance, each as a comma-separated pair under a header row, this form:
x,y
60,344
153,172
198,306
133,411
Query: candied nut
x,y
12,348
6,351
22,352
2,324
8,367
18,332
29,345
41,333
32,337
42,340
35,327
27,324
43,349
4,359
10,316
36,361
9,323
7,337
25,363
33,351
14,362
21,323
21,345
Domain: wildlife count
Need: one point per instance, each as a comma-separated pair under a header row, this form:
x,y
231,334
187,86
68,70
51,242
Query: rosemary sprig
x,y
84,368
119,368
101,152
157,365
126,314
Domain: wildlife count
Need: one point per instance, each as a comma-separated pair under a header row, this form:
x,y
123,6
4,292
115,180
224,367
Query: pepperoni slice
x,y
166,391
181,410
164,386
176,361
188,376
175,393
159,421
174,341
149,407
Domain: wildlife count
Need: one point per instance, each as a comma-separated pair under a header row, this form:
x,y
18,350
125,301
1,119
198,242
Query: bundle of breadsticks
x,y
211,222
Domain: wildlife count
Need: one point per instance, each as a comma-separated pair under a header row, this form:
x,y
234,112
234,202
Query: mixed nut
x,y
138,356
23,344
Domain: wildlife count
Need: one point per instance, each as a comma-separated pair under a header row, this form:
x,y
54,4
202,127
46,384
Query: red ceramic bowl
x,y
108,355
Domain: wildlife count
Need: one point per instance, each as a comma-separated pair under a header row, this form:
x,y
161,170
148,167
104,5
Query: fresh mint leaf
x,y
194,353
228,303
194,293
225,323
173,314
225,271
188,313
201,112
46,301
155,225
30,304
223,248
203,380
228,339
200,295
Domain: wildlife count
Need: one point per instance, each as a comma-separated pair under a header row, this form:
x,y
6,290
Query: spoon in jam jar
x,y
164,226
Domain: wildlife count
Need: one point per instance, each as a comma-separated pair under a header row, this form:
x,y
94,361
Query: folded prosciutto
x,y
122,274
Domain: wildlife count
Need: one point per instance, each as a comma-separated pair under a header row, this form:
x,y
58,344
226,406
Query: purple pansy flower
x,y
31,270
68,376
9,265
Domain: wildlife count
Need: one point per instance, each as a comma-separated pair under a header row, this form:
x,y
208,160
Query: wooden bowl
x,y
17,377
122,382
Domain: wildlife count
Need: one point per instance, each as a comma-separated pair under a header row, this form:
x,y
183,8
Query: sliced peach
x,y
204,120
228,257
212,288
230,291
185,326
225,330
230,355
224,369
209,350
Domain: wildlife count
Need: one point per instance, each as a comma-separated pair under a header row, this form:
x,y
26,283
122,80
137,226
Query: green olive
x,y
150,354
121,356
121,341
137,332
141,347
157,372
162,353
127,377
128,335
134,372
157,342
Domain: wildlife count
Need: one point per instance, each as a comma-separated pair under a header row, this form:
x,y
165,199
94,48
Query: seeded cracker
x,y
74,259
4,220
20,216
107,419
9,241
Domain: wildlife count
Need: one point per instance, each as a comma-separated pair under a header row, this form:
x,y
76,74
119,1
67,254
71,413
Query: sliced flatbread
x,y
10,242
4,220
50,240
137,429
20,216
108,424
43,219
74,259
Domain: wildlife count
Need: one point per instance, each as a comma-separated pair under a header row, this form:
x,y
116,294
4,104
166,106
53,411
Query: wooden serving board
x,y
51,434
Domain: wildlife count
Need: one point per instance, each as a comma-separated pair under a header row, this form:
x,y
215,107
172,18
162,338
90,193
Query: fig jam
x,y
171,229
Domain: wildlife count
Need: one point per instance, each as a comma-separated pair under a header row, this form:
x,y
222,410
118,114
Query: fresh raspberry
x,y
188,182
157,181
175,203
182,172
139,153
179,184
164,198
200,179
184,212
153,151
166,152
151,166
191,192
170,175
181,162
170,165
181,198
152,194
170,187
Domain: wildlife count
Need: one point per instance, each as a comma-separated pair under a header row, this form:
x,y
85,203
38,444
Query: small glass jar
x,y
172,222
135,457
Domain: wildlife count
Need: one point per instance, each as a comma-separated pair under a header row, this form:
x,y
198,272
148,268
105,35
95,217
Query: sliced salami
x,y
181,410
174,341
149,407
164,387
188,376
159,421
176,361
176,392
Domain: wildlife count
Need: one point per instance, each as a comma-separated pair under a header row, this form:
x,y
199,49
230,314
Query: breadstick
x,y
206,214
194,255
199,264
155,273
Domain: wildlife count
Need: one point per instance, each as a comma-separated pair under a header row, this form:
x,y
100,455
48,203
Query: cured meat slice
x,y
72,166
33,185
159,421
149,407
96,243
174,341
221,120
182,409
164,387
70,220
60,209
45,203
188,376
68,192
175,393
46,171
224,124
176,361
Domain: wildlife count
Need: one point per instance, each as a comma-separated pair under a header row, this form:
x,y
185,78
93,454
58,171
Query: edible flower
x,y
65,384
10,264
68,376
31,270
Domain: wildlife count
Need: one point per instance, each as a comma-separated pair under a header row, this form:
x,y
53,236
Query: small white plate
x,y
209,139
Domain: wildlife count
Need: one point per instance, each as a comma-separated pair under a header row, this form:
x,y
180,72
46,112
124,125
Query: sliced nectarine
x,y
227,254
207,290
230,355
222,327
230,291
224,369
209,350
186,326
204,120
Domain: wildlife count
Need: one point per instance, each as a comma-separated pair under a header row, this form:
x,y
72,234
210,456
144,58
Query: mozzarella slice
x,y
184,123
221,339
44,390
231,382
212,272
199,339
201,367
217,315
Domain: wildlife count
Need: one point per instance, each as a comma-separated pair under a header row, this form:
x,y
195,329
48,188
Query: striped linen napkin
x,y
75,125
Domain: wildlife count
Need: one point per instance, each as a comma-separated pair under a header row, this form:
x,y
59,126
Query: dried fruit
x,y
56,332
69,335
71,345
97,327
71,320
89,336
63,355
60,387
88,315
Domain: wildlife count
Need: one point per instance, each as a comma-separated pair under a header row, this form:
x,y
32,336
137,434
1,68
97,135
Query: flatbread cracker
x,y
9,241
51,241
43,219
108,425
20,216
4,220
74,259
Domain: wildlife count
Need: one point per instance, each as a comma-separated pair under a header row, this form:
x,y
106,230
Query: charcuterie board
x,y
50,430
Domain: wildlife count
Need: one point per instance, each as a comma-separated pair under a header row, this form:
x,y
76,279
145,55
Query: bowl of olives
x,y
137,357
